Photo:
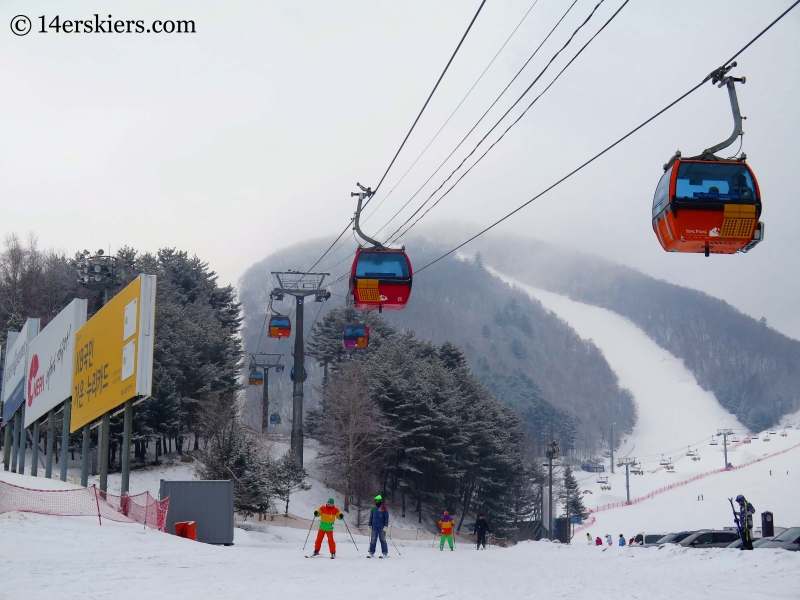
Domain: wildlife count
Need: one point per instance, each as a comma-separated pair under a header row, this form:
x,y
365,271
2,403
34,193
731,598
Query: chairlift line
x,y
610,147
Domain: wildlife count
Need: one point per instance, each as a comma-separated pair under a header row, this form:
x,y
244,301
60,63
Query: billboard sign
x,y
113,360
50,357
15,367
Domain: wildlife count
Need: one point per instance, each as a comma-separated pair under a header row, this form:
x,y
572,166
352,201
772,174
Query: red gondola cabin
x,y
380,279
707,205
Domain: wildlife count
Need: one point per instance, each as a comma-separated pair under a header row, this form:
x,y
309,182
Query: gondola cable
x,y
616,143
394,235
452,114
447,66
480,120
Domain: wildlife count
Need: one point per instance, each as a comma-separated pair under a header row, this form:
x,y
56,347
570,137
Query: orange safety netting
x,y
86,502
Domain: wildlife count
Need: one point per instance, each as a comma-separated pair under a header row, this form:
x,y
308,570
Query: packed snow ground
x,y
48,557
56,557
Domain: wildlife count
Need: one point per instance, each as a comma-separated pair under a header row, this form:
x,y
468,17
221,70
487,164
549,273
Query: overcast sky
x,y
249,134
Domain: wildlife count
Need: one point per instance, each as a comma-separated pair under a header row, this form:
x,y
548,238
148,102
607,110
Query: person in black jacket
x,y
481,528
746,512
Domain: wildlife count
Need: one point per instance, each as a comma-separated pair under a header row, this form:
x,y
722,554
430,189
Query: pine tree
x,y
570,492
288,477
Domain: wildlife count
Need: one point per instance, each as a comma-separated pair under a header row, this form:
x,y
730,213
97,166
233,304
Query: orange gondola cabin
x,y
380,279
707,205
280,326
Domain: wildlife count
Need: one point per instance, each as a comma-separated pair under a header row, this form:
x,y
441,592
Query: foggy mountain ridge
x,y
752,369
530,359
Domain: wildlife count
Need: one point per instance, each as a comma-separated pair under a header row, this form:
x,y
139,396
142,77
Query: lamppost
x,y
552,454
102,273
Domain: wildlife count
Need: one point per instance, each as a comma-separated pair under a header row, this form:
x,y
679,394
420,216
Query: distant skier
x,y
621,541
481,528
630,542
609,540
446,527
327,516
598,541
746,510
589,539
378,522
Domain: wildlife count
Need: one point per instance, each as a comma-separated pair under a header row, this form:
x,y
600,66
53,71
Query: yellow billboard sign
x,y
114,353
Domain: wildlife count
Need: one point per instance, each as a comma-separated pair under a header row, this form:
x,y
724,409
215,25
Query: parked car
x,y
710,539
673,538
788,540
647,538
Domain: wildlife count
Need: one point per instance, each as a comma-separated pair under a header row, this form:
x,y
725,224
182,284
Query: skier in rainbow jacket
x,y
378,522
327,517
446,527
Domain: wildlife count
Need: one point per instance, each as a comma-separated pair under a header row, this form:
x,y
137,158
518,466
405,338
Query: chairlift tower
x,y
725,433
627,462
553,451
265,362
301,286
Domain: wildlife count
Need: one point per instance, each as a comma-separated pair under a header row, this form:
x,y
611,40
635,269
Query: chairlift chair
x,y
274,419
713,442
602,479
766,438
784,434
663,462
734,440
771,432
690,452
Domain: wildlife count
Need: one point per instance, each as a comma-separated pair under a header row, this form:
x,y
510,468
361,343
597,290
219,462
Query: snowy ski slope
x,y
675,414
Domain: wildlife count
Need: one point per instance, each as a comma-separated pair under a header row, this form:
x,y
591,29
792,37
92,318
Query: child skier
x,y
327,516
378,522
446,527
621,541
609,540
589,539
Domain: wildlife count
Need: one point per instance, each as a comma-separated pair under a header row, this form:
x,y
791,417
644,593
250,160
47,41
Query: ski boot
x,y
333,555
370,554
316,553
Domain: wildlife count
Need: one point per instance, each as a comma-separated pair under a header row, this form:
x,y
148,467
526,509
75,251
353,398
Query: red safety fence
x,y
687,481
86,502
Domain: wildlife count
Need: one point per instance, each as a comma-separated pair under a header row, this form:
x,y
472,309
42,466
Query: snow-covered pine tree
x,y
570,492
288,477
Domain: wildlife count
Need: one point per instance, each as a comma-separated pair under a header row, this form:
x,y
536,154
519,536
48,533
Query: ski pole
x,y
395,546
309,532
351,535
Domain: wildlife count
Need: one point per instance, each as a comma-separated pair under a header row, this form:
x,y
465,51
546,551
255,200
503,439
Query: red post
x,y
97,502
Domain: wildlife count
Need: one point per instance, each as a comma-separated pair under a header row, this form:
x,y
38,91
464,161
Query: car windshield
x,y
652,539
788,535
679,537
382,265
670,537
714,181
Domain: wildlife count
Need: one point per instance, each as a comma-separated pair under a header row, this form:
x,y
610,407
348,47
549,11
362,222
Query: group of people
x,y
378,524
744,522
609,540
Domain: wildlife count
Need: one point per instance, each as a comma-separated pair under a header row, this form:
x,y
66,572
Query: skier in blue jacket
x,y
621,540
378,522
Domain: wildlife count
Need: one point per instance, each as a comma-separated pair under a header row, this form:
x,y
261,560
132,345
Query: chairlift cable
x,y
424,106
620,140
480,120
505,114
517,120
433,139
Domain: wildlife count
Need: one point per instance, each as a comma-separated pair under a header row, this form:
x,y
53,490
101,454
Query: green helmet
x,y
330,501
378,498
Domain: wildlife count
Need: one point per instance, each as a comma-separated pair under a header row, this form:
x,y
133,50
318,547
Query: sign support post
x,y
7,449
35,449
15,443
51,423
126,447
65,416
85,457
105,431
23,441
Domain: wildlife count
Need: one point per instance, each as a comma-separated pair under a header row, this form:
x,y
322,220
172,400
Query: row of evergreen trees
x,y
408,418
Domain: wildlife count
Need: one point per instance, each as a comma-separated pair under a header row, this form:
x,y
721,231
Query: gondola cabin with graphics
x,y
380,279
280,326
355,337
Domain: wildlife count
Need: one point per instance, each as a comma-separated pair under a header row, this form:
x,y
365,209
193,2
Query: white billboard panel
x,y
15,367
50,360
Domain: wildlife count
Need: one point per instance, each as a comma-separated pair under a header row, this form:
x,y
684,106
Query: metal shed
x,y
208,503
